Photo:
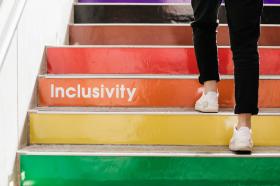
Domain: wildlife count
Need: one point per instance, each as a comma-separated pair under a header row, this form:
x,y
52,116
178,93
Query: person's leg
x,y
244,24
204,38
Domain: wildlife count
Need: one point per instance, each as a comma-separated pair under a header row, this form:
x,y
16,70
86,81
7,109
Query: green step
x,y
147,166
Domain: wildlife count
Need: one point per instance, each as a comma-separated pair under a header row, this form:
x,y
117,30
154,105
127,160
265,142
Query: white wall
x,y
6,7
43,22
8,114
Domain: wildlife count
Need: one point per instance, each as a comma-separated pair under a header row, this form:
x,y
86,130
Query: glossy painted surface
x,y
156,1
270,15
125,60
129,35
142,92
149,171
133,14
148,129
149,35
154,14
272,1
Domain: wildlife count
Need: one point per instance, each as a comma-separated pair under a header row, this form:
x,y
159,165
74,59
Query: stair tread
x,y
150,2
131,3
98,2
142,76
141,150
141,46
142,110
153,24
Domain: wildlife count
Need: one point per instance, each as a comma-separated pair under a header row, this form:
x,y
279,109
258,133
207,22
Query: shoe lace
x,y
243,135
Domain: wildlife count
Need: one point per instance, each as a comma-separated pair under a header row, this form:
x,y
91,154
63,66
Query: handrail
x,y
10,29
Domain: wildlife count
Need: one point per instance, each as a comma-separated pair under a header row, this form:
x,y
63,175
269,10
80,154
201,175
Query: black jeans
x,y
244,26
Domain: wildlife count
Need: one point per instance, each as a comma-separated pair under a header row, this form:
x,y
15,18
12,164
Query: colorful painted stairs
x,y
115,107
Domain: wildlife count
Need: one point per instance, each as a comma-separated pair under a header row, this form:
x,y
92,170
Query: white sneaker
x,y
208,102
241,140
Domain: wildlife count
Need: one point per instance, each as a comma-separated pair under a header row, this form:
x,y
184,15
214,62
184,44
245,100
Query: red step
x,y
145,60
153,34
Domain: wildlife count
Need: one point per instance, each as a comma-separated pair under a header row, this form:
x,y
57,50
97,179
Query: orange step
x,y
142,91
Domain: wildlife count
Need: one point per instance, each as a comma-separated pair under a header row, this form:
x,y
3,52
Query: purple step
x,y
271,1
156,1
134,1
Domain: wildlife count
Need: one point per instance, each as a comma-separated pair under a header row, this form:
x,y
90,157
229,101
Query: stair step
x,y
156,1
145,60
92,13
145,150
270,14
137,166
148,34
142,91
130,13
145,126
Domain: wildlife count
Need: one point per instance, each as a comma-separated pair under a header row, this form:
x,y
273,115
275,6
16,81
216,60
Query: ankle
x,y
244,120
210,86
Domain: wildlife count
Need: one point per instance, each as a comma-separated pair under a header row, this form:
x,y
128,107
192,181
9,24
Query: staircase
x,y
115,107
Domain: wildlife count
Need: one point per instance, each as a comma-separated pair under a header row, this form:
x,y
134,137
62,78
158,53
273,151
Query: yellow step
x,y
146,126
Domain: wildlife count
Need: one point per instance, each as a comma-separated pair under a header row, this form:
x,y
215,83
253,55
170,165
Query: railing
x,y
9,28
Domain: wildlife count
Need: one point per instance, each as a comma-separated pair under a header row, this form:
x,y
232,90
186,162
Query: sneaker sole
x,y
241,149
209,110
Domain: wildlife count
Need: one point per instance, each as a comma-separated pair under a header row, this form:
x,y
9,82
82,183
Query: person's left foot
x,y
241,140
208,102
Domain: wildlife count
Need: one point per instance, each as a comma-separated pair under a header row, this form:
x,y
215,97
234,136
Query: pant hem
x,y
201,81
246,111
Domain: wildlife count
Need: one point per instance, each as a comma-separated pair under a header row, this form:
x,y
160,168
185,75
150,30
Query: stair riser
x,y
154,14
146,129
145,61
142,92
156,1
133,14
149,171
149,35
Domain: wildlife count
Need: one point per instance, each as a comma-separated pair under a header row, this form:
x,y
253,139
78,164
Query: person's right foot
x,y
241,140
208,102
